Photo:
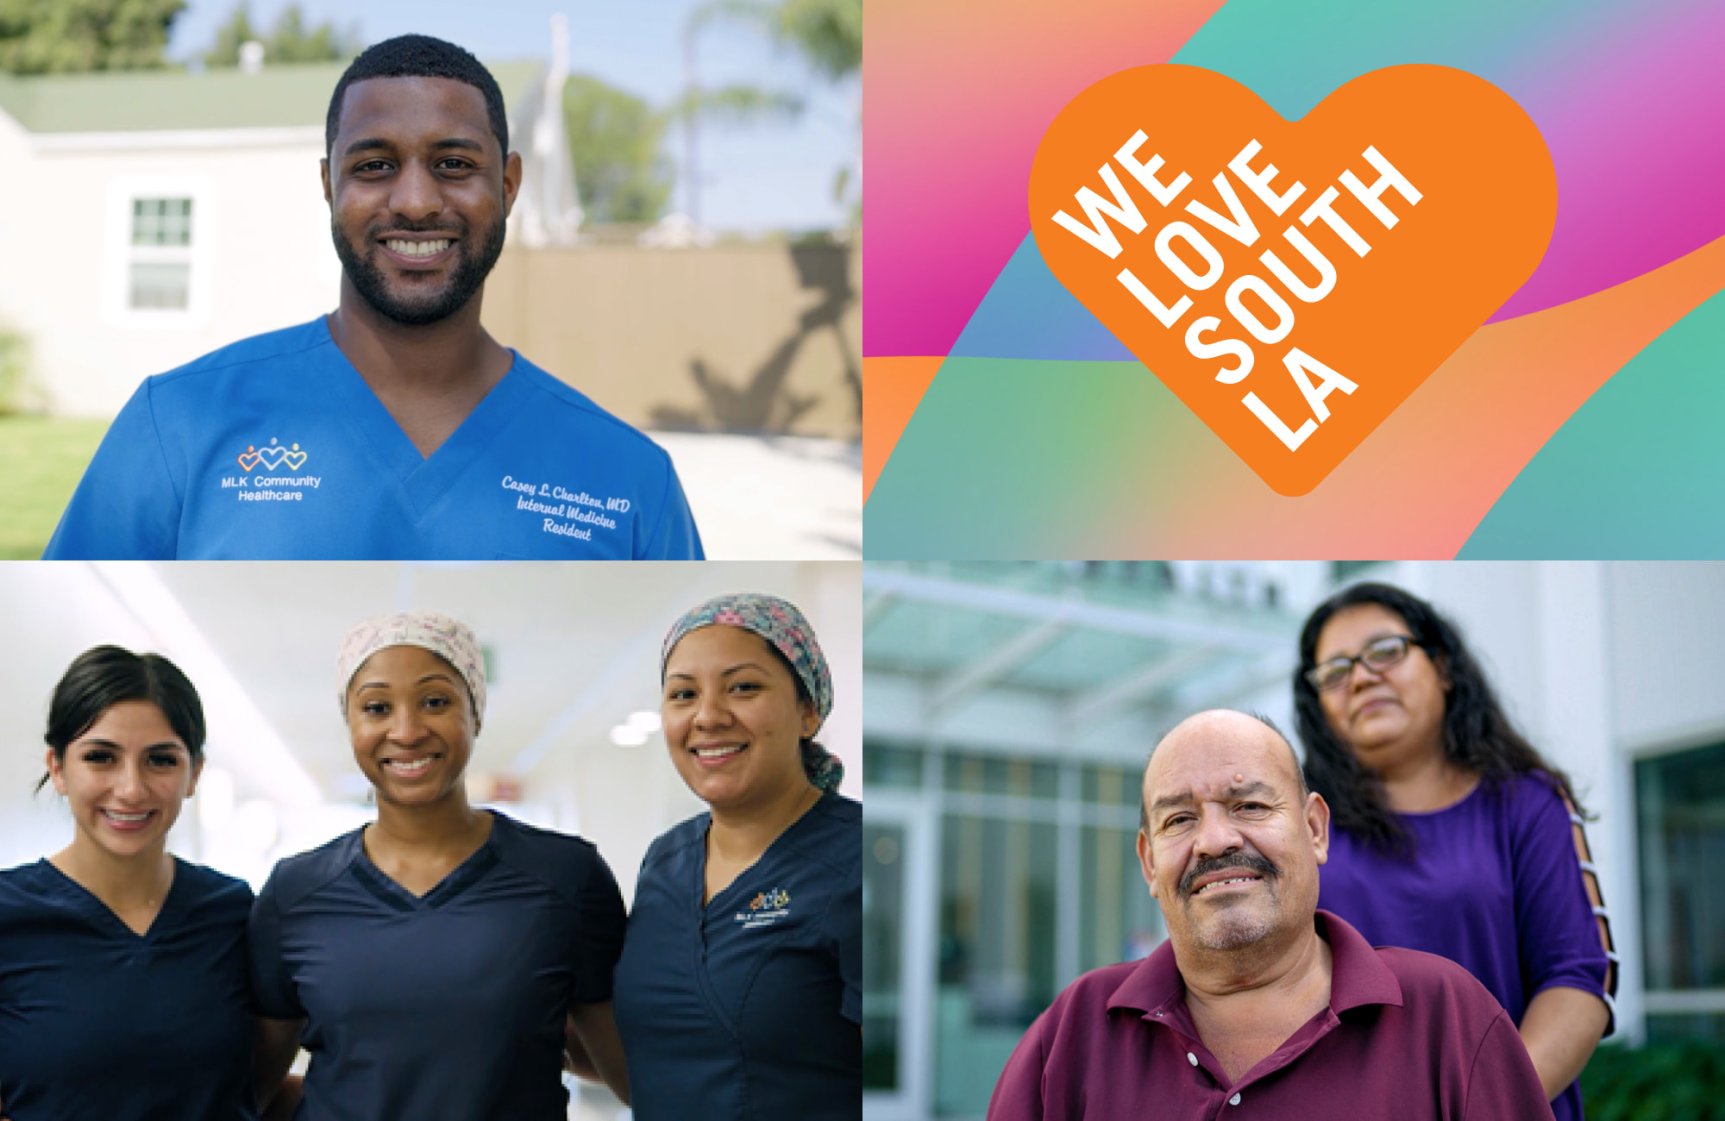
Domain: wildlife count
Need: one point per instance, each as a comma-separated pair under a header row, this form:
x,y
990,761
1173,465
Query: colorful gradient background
x,y
1004,421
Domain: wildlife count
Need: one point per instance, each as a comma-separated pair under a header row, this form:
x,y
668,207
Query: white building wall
x,y
1667,634
265,252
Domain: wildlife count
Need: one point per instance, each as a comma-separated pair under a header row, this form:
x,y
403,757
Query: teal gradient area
x,y
1035,460
1638,472
1292,55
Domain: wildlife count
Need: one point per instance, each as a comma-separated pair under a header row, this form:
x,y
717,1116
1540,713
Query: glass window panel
x,y
883,923
1117,919
887,765
1112,786
176,230
1681,817
998,906
143,224
158,284
162,221
1679,1027
1026,778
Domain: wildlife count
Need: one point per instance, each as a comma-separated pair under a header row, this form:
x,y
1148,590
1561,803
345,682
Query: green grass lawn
x,y
41,460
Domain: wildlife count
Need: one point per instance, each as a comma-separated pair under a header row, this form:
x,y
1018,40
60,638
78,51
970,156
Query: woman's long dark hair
x,y
1477,735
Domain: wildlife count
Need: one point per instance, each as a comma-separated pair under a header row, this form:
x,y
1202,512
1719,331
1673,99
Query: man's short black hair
x,y
419,56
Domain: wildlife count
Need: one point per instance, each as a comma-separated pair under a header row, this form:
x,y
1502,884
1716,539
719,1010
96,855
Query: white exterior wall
x,y
1599,664
262,257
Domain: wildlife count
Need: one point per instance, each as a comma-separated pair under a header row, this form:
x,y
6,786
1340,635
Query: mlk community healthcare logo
x,y
1292,281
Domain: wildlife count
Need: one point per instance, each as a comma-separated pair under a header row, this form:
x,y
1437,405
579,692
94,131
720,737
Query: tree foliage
x,y
290,40
616,141
70,36
826,33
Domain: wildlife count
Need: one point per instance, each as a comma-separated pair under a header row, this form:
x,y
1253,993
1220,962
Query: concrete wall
x,y
747,338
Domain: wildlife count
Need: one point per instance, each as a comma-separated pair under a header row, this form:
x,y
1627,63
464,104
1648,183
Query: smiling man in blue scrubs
x,y
395,427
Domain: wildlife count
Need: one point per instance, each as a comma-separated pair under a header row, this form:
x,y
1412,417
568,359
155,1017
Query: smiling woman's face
x,y
1386,717
125,778
412,726
732,718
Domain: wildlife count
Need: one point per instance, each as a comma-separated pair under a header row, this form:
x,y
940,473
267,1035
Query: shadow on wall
x,y
765,401
739,338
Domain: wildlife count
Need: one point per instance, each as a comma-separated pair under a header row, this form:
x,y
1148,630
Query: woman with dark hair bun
x,y
123,989
739,992
1451,833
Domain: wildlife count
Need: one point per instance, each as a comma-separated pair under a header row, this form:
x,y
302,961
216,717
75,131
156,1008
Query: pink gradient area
x,y
1420,484
1633,129
956,96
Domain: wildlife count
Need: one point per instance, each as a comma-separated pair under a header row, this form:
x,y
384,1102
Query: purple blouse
x,y
1493,884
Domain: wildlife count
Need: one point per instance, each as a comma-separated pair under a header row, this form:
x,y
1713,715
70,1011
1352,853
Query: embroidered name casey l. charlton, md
x,y
565,512
765,908
272,473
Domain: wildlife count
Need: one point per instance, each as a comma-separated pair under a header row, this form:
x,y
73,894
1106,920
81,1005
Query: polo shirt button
x,y
1235,1100
1191,1058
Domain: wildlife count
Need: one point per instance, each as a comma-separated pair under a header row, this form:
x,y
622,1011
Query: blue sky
x,y
773,174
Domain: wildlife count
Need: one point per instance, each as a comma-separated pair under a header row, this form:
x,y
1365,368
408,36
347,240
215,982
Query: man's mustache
x,y
1250,861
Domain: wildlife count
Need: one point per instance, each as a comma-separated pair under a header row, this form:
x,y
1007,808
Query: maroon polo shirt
x,y
1407,1035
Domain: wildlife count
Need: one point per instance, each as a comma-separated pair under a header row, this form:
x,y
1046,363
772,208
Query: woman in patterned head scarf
x,y
436,957
739,993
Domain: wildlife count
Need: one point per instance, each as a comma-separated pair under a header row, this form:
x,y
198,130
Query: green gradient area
x,y
1293,55
1637,472
1038,459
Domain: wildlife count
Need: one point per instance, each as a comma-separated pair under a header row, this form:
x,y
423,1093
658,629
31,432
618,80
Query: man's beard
x,y
471,269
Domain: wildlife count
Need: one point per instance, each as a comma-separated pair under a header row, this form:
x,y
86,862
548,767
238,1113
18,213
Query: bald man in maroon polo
x,y
1258,1004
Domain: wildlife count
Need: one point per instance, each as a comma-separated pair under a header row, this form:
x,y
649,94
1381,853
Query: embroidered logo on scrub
x,y
766,908
271,474
565,512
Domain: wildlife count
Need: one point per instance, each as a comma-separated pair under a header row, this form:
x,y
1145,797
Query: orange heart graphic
x,y
1293,281
248,460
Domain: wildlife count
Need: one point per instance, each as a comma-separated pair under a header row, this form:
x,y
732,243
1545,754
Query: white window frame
x,y
120,254
1648,1001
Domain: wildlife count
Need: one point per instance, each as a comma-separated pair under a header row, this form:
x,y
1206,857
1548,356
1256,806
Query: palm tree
x,y
826,33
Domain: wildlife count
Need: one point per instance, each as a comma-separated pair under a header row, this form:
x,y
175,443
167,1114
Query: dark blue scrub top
x,y
97,1021
750,1007
446,1005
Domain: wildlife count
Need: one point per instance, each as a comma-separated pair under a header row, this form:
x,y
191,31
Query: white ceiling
x,y
574,650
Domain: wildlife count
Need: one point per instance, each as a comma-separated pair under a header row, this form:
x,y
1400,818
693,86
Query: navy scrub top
x,y
98,1021
751,1006
446,1005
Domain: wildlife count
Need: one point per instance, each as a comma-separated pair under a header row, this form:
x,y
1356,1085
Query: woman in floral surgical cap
x,y
437,957
739,992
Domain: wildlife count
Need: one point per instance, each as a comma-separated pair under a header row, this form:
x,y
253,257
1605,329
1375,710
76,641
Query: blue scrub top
x,y
749,1007
446,1005
275,448
97,1021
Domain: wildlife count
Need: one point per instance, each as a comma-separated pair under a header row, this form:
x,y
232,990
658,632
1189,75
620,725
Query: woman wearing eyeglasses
x,y
1450,833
